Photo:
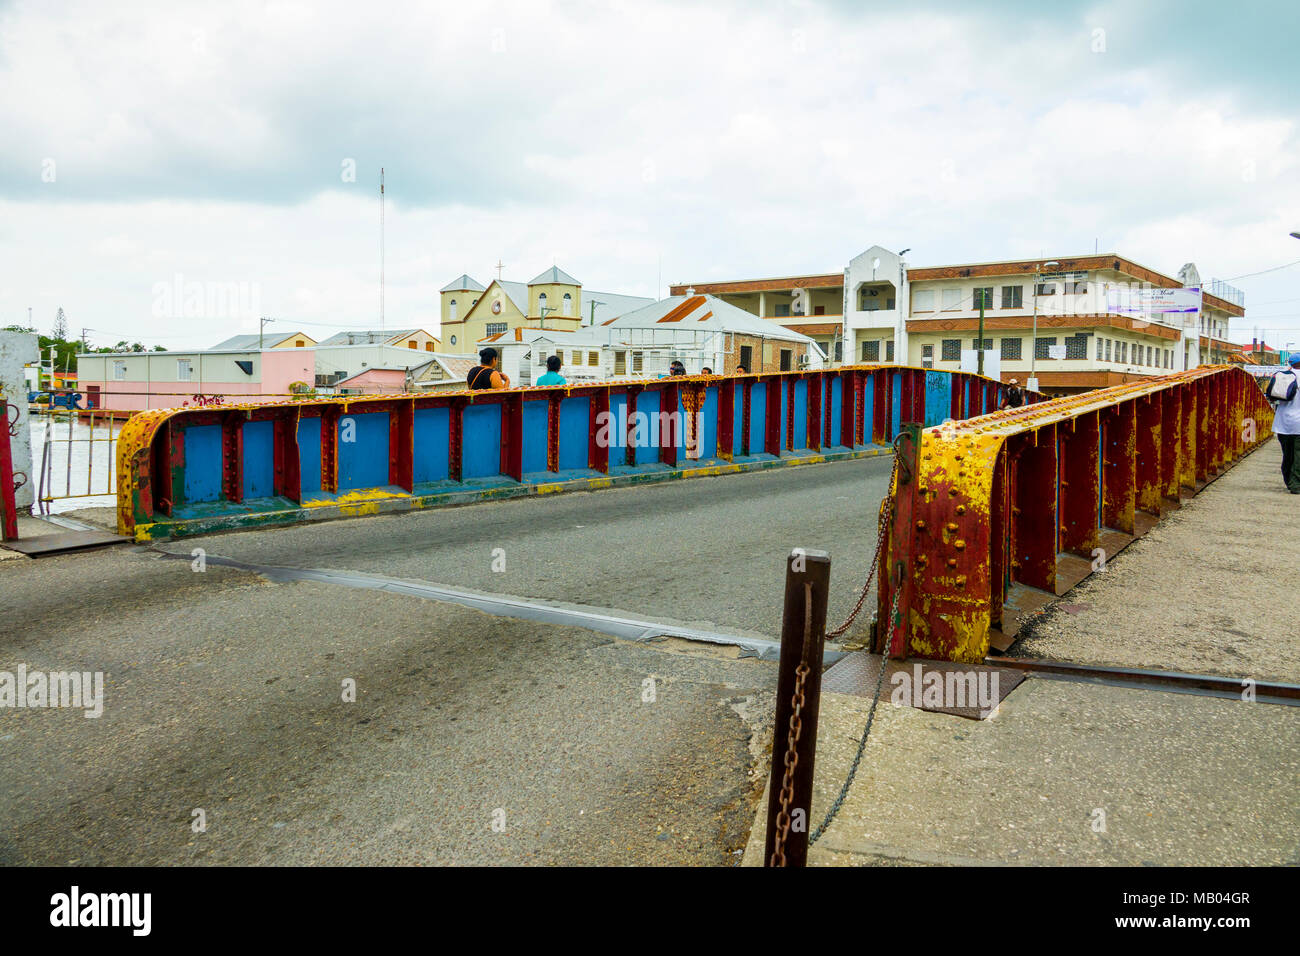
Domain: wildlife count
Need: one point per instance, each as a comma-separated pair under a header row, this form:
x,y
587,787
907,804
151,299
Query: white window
x,y
923,300
568,304
182,370
951,300
119,370
541,305
451,311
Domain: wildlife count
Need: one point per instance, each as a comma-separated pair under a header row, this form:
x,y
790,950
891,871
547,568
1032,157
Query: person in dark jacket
x,y
485,374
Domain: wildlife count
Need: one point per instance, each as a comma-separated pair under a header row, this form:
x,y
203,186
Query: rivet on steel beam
x,y
961,580
952,526
952,492
920,525
952,562
961,509
959,544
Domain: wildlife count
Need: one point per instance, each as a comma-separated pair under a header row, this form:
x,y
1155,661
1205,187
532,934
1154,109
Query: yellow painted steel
x,y
955,603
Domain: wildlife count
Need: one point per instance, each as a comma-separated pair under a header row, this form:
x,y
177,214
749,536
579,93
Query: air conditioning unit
x,y
803,361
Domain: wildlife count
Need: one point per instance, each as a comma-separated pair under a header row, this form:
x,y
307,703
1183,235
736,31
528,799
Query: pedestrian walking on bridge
x,y
1284,391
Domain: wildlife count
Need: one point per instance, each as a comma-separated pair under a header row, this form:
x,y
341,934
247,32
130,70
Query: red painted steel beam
x,y
1034,525
1148,486
232,456
772,419
726,419
1002,496
1080,440
401,445
512,437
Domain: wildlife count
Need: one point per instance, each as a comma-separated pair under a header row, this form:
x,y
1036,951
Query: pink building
x,y
373,381
136,381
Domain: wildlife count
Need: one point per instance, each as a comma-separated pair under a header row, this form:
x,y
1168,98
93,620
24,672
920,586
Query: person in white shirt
x,y
1286,421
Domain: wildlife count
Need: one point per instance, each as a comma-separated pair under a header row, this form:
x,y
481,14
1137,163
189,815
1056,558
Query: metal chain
x,y
866,732
886,517
793,733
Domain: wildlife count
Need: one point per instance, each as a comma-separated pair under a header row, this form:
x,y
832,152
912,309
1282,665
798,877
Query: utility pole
x,y
594,303
543,310
85,346
261,329
1032,384
979,344
381,247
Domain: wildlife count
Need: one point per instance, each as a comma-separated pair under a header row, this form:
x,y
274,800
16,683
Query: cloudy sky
x,y
235,149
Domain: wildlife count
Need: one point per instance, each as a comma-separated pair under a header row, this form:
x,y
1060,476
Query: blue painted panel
x,y
617,428
897,424
647,435
309,454
938,397
432,458
709,430
481,443
259,459
575,416
738,419
363,461
800,439
536,415
868,408
837,406
203,463
758,418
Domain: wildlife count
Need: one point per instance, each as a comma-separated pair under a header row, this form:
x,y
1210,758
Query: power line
x,y
1264,271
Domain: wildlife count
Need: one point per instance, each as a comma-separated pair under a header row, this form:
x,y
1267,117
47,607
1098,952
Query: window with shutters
x,y
951,299
620,363
637,358
1013,297
593,358
923,300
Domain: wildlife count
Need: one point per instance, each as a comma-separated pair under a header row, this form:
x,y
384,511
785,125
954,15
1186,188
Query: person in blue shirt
x,y
552,376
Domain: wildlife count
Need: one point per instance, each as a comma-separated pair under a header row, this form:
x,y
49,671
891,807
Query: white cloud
x,y
730,140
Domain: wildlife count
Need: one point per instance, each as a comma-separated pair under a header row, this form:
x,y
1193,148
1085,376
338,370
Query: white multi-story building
x,y
1072,322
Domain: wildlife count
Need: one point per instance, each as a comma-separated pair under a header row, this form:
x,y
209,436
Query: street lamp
x,y
900,327
1032,383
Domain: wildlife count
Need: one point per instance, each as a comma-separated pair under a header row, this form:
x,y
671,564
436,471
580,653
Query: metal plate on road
x,y
46,544
942,687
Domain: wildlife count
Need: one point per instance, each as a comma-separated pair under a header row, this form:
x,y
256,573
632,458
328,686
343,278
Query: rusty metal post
x,y
794,743
8,509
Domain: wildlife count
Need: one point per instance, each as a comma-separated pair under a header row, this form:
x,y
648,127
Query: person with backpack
x,y
1014,396
1284,392
485,374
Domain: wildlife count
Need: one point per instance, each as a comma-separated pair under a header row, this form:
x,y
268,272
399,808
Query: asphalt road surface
x,y
226,736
